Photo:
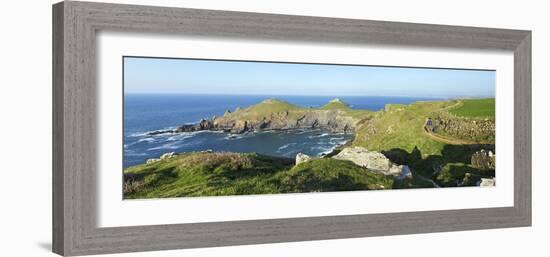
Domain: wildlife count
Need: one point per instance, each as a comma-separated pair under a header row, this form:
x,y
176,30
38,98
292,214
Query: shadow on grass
x,y
448,168
261,165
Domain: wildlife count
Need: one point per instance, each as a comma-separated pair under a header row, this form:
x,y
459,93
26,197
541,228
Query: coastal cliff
x,y
274,114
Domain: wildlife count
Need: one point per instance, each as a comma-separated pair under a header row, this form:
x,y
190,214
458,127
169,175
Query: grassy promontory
x,y
437,157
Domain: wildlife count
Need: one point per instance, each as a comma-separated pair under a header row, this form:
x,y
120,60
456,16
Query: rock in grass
x,y
362,157
374,161
300,157
167,155
487,182
149,161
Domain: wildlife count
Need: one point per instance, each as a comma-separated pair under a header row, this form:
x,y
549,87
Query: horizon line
x,y
226,94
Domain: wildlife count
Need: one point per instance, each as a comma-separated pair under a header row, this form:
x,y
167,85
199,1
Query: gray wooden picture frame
x,y
75,25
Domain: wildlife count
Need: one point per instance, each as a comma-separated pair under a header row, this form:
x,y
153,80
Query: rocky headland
x,y
274,114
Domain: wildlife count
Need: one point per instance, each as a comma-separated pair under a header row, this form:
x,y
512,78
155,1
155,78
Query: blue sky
x,y
156,75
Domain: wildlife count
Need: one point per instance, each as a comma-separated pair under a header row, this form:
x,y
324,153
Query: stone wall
x,y
481,130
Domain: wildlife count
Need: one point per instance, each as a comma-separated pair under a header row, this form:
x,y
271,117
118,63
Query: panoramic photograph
x,y
197,128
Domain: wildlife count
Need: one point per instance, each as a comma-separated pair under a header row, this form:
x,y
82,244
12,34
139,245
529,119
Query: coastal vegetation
x,y
484,108
402,152
225,173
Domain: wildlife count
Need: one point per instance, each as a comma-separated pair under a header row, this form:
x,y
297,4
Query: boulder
x,y
300,157
149,161
483,159
167,155
487,182
374,161
362,157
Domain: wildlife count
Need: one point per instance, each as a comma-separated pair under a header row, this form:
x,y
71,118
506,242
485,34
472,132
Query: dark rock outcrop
x,y
159,132
204,124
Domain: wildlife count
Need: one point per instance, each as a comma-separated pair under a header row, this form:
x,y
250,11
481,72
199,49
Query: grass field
x,y
219,173
478,108
401,126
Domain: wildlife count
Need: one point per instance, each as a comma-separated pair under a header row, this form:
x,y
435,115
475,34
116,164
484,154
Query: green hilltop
x,y
272,105
336,104
265,108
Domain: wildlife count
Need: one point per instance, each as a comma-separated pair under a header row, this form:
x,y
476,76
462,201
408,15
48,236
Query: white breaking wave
x,y
238,136
285,146
135,154
336,138
142,134
322,149
179,137
318,136
265,131
147,139
165,146
303,131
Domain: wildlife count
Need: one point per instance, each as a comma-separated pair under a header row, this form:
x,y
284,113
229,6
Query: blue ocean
x,y
144,113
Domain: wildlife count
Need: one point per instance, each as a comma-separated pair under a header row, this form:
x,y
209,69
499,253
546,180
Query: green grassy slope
x,y
266,107
401,126
208,174
478,108
320,175
399,133
272,105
